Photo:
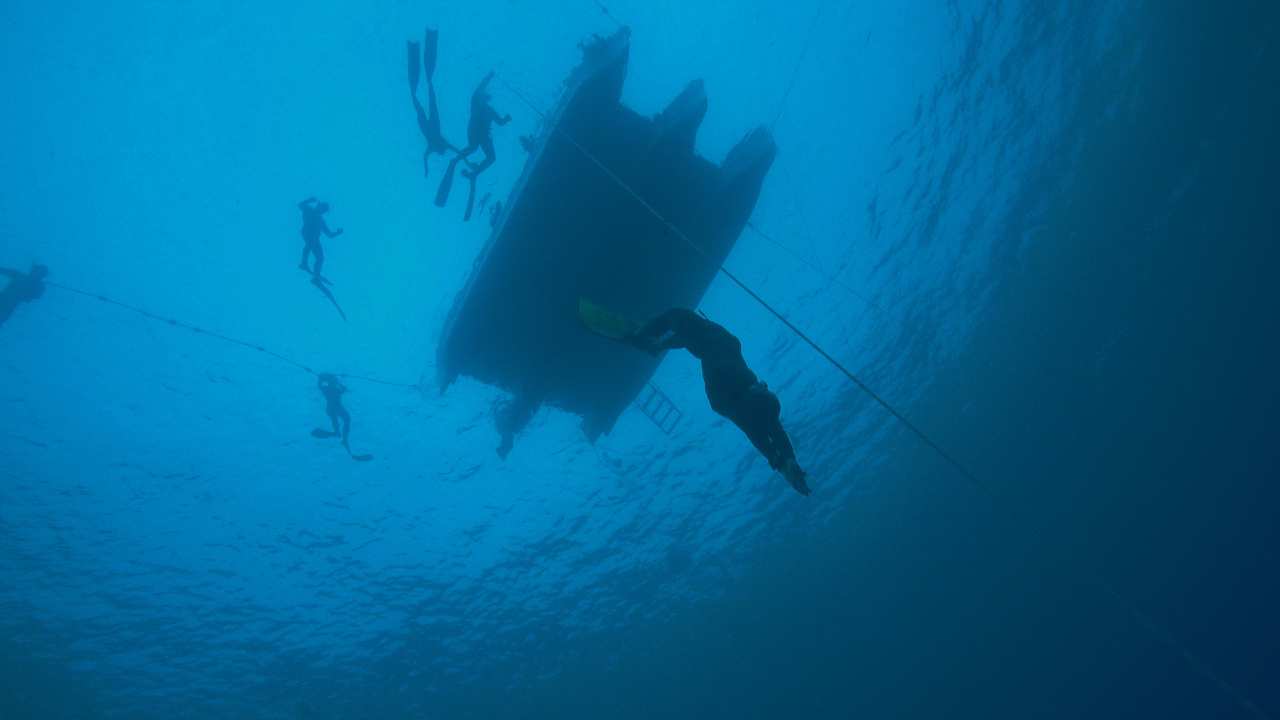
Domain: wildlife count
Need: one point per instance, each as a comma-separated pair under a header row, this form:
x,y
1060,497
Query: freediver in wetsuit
x,y
428,119
313,225
479,137
480,129
22,288
734,391
333,390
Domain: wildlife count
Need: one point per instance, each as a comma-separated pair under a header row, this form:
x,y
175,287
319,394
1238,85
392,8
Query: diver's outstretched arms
x,y
306,204
794,475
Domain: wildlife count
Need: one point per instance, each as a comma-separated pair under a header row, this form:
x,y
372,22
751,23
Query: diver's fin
x,y
327,293
605,322
429,44
362,458
471,198
446,183
323,434
414,68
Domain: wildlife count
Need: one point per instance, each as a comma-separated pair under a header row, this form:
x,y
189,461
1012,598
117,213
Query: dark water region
x,y
1065,225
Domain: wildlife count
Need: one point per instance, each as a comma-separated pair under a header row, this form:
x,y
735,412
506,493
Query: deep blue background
x,y
1046,231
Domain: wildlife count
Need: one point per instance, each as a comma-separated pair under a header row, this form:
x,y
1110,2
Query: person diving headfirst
x,y
732,388
428,118
332,389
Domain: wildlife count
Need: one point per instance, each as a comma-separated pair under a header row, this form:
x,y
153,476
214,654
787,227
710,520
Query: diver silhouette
x,y
333,390
428,119
22,288
480,129
479,137
313,225
732,388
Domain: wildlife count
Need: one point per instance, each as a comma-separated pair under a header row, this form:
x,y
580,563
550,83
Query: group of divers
x,y
732,388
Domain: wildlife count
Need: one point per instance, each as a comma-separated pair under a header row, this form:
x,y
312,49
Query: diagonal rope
x,y
832,279
173,322
795,72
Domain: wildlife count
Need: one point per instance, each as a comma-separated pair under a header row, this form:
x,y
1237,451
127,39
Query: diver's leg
x,y
489,157
436,141
318,251
647,337
346,428
333,419
306,254
424,124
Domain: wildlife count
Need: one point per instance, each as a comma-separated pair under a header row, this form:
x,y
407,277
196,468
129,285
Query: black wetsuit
x,y
22,288
333,389
313,225
480,129
428,118
733,390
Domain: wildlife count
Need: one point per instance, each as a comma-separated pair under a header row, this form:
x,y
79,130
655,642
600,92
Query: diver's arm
x,y
332,233
305,204
501,119
10,273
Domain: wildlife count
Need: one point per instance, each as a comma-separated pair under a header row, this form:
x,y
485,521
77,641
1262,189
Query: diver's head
x,y
38,271
322,208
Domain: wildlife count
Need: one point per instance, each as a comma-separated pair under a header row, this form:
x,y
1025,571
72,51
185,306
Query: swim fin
x,y
604,322
414,68
429,44
323,434
446,183
471,198
329,294
362,458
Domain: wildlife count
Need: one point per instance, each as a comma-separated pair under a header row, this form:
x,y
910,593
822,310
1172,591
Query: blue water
x,y
1044,231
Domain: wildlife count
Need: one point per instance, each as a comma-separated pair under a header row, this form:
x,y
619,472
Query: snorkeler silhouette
x,y
333,389
22,288
313,225
733,390
479,137
428,119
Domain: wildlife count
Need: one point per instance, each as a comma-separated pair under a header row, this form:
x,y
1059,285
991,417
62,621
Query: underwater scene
x,y
586,359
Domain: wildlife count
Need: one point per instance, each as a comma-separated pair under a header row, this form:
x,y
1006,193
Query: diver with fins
x,y
313,226
429,118
23,287
479,137
332,389
732,388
